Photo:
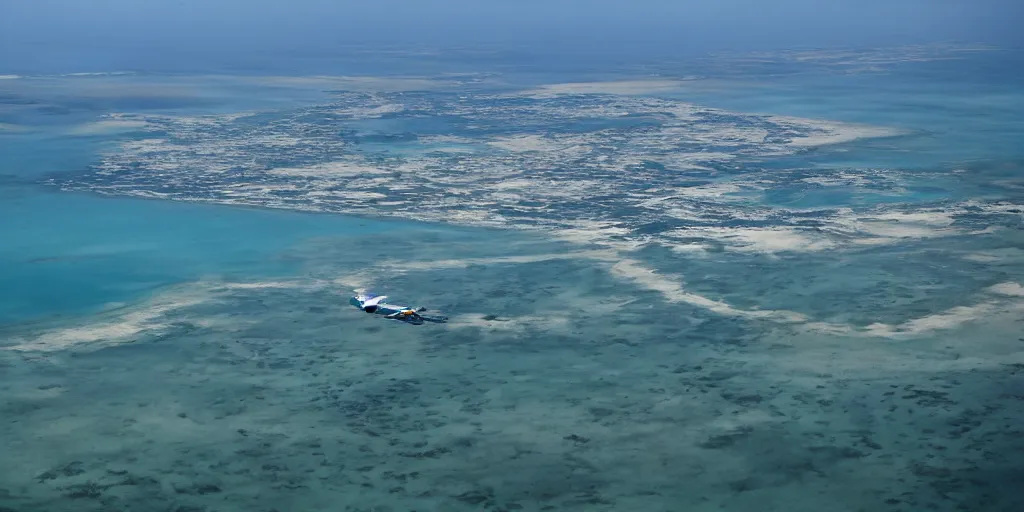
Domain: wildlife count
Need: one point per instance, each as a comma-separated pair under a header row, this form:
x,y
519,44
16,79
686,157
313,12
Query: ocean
x,y
785,281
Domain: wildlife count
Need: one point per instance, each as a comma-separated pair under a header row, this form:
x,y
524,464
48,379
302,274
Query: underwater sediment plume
x,y
731,290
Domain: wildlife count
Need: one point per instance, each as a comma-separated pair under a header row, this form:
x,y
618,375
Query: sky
x,y
136,32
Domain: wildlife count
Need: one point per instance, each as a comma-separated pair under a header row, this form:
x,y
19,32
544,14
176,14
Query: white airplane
x,y
375,304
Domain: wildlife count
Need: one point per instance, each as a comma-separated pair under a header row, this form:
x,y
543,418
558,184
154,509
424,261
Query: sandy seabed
x,y
556,386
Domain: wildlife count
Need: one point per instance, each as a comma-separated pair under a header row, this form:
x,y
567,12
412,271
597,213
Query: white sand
x,y
108,126
349,83
330,170
673,291
118,327
524,143
1009,289
763,240
824,133
623,87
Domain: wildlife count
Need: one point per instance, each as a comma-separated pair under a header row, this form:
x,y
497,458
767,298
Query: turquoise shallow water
x,y
75,253
233,375
960,117
68,254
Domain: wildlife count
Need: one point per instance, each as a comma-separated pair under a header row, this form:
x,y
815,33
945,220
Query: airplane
x,y
375,304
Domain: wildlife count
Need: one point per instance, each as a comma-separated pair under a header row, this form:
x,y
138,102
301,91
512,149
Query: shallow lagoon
x,y
185,357
75,253
274,395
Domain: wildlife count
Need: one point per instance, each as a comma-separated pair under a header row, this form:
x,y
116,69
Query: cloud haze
x,y
49,28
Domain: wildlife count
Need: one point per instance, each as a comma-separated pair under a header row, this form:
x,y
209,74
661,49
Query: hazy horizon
x,y
39,35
